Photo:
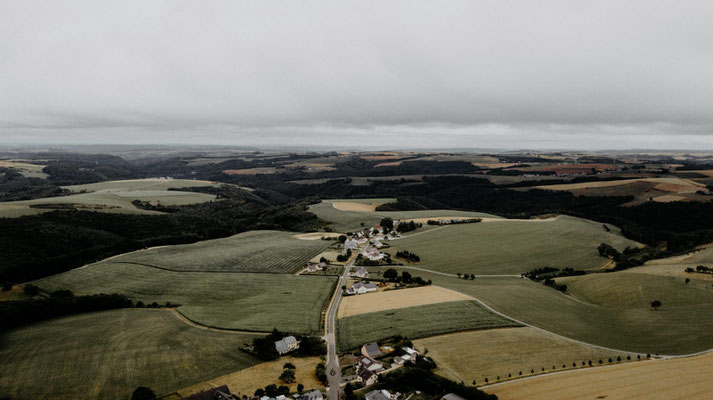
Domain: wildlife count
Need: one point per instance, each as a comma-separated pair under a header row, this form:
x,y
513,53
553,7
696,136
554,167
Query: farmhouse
x,y
366,377
316,267
361,288
366,362
371,350
379,395
361,272
373,254
351,244
286,345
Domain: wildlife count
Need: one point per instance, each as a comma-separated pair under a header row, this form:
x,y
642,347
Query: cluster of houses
x,y
223,393
367,368
287,344
313,395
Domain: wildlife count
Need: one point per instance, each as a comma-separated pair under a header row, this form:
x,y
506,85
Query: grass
x,y
474,356
140,184
683,378
253,251
108,354
512,246
243,301
676,329
416,322
635,290
344,221
112,196
246,381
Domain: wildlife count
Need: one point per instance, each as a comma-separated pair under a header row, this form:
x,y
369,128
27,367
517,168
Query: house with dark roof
x,y
371,350
367,377
368,363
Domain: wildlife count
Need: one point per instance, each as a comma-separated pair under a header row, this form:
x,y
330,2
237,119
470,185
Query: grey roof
x,y
372,349
284,344
452,396
376,395
313,395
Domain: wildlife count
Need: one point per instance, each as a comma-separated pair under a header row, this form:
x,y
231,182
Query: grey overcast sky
x,y
497,74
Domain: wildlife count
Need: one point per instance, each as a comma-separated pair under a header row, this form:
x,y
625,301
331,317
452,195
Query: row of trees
x,y
564,366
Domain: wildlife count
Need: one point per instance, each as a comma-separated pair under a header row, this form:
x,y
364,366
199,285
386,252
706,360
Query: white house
x,y
351,244
313,395
361,288
361,272
373,254
287,344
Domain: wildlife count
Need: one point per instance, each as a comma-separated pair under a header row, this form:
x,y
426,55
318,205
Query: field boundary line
x,y
198,325
455,276
658,356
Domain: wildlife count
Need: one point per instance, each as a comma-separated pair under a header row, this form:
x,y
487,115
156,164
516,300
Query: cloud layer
x,y
401,73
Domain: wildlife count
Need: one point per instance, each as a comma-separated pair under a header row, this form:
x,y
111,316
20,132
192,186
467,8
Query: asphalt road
x,y
334,371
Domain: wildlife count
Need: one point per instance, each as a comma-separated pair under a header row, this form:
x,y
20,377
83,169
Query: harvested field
x,y
668,198
393,299
353,206
253,251
502,246
243,301
474,356
108,354
27,169
683,378
388,164
675,184
246,381
626,289
678,329
416,322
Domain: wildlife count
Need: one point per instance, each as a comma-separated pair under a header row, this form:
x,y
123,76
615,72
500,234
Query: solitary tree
x,y
458,275
300,388
688,280
342,238
655,304
288,366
